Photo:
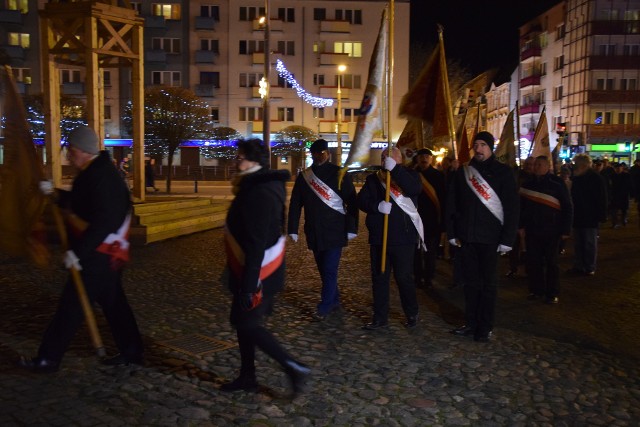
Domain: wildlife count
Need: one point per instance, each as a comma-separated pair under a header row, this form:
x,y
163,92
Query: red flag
x,y
464,153
21,202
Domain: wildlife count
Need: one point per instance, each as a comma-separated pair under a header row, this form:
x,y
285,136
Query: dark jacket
x,y
432,215
100,198
621,190
401,230
589,196
256,220
469,220
539,218
324,227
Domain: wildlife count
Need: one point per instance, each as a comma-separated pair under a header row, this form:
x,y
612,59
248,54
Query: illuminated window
x,y
167,78
352,49
169,45
21,5
22,75
168,11
19,39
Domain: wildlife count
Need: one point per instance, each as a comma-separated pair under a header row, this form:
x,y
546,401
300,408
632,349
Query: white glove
x,y
72,260
294,237
384,207
46,187
351,236
503,249
454,242
389,163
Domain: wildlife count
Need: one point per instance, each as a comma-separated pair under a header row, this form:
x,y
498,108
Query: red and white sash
x,y
323,191
408,207
272,259
542,198
117,244
481,188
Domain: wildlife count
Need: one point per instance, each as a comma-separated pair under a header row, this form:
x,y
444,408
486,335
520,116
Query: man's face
x,y
482,150
424,161
78,158
319,157
528,165
541,167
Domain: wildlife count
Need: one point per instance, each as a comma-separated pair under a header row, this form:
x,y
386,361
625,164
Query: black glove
x,y
249,300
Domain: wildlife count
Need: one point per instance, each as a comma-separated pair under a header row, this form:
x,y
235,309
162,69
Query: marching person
x,y
99,214
482,219
546,213
255,261
330,220
404,235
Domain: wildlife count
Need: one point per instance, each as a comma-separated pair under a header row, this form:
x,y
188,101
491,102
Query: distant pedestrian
x,y
255,243
482,219
330,220
621,191
150,175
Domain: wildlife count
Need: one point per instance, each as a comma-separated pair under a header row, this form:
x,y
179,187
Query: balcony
x,y
257,58
613,96
72,88
274,25
613,131
597,62
275,92
10,16
205,57
274,126
530,53
330,126
205,23
152,21
205,90
530,109
609,28
530,81
155,56
335,27
14,52
332,92
328,58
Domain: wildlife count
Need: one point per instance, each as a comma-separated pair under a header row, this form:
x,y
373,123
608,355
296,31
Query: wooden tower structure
x,y
96,35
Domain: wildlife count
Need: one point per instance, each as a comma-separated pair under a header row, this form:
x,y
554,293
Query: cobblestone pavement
x,y
572,364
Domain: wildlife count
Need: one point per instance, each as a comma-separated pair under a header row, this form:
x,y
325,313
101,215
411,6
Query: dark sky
x,y
480,34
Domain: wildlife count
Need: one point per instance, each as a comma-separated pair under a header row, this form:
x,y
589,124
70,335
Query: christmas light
x,y
306,97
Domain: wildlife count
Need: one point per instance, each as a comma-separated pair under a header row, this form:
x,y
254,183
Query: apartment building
x,y
217,49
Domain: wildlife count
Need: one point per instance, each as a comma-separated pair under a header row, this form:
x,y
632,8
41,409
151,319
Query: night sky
x,y
480,34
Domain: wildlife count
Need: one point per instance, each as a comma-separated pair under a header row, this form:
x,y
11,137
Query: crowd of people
x,y
478,210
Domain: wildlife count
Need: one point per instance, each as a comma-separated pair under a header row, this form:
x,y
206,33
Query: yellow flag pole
x,y
385,225
89,316
447,92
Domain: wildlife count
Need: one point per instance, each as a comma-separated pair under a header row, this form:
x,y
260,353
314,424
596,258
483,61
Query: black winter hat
x,y
318,146
486,137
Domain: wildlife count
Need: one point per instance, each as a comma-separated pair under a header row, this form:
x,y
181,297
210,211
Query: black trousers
x,y
479,269
250,328
400,260
542,264
103,286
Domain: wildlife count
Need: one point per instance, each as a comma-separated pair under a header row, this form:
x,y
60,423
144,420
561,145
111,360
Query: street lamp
x,y
264,86
341,69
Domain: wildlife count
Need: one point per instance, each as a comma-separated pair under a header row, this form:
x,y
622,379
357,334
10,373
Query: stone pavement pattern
x,y
395,377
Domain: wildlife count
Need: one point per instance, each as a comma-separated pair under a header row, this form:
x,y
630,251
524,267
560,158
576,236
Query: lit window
x,y
19,39
352,49
21,5
168,11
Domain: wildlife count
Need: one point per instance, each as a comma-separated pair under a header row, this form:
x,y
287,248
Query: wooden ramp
x,y
165,217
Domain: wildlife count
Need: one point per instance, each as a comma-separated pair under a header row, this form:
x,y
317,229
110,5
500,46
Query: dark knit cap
x,y
84,139
486,137
318,146
424,151
254,150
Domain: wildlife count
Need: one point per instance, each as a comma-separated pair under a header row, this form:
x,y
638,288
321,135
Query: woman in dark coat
x,y
255,259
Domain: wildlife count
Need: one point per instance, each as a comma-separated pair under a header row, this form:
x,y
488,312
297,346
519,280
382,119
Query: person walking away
x,y
546,213
255,244
98,215
482,220
431,203
404,235
150,175
330,220
621,190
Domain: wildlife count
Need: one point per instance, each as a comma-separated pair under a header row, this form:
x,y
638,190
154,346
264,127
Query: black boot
x,y
298,373
246,382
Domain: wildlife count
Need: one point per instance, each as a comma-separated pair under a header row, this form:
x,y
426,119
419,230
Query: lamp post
x,y
341,69
266,119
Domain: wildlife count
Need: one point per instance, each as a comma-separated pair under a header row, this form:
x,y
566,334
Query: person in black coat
x,y
589,196
255,247
546,213
621,191
330,219
98,214
431,202
482,220
402,236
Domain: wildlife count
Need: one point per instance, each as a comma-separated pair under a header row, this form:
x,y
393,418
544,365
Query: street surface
x,y
571,364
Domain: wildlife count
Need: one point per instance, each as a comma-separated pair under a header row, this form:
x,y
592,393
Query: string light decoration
x,y
306,97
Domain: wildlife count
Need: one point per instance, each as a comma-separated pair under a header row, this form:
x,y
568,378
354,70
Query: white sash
x,y
271,261
323,191
484,192
407,206
542,198
117,244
